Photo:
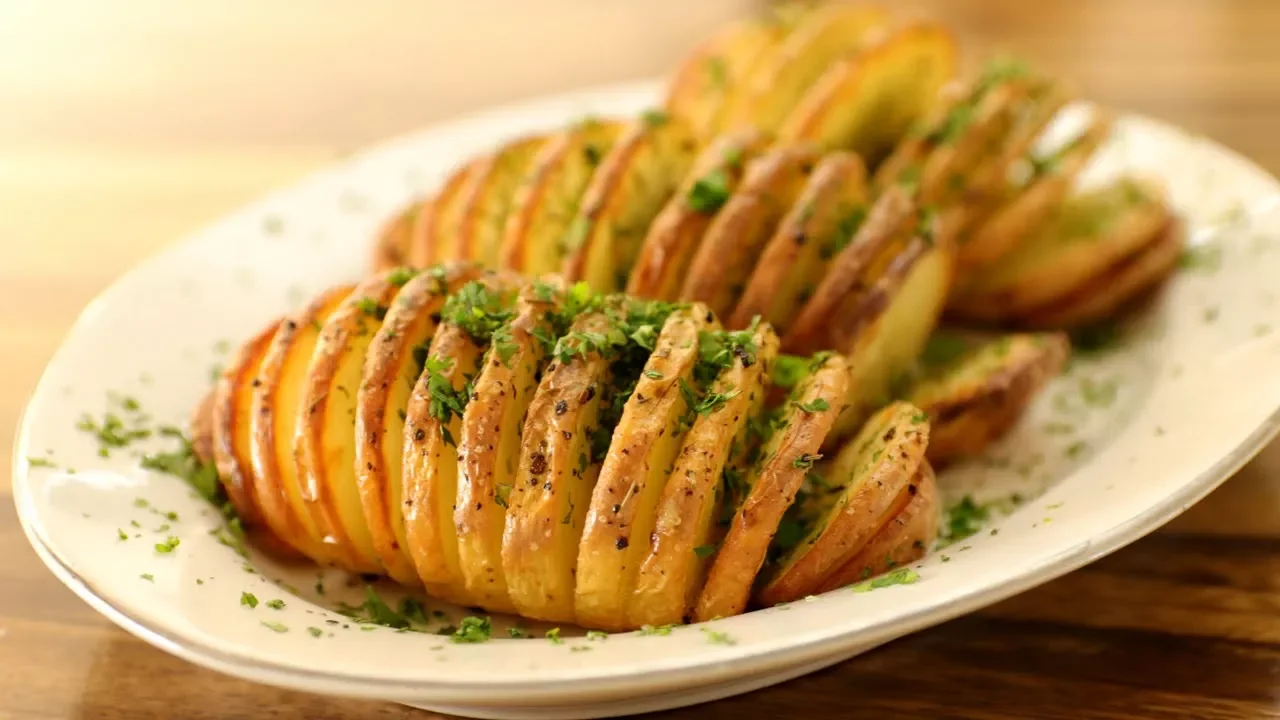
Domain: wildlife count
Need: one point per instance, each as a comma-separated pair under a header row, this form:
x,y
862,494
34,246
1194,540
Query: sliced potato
x,y
489,197
200,426
779,81
865,101
674,559
728,253
230,434
434,238
673,238
1120,284
821,223
905,538
549,194
774,481
391,247
489,444
863,486
635,180
554,480
391,369
273,424
974,397
324,443
623,505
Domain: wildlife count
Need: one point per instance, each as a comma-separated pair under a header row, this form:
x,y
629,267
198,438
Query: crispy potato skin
x,y
391,248
623,509
674,237
434,238
812,232
230,434
905,538
875,469
489,199
549,502
671,572
277,398
731,246
777,478
489,450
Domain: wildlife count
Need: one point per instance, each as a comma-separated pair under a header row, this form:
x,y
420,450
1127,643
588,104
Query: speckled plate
x,y
1126,440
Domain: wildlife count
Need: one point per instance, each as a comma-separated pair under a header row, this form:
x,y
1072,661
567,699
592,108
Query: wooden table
x,y
121,129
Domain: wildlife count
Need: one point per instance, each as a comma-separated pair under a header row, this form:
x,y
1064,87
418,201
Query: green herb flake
x,y
275,626
900,576
816,405
249,600
661,630
597,635
554,636
717,637
148,577
709,192
169,545
276,604
703,551
805,461
472,629
1204,258
653,374
315,632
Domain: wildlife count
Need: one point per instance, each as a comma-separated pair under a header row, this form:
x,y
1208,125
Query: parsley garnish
x,y
656,629
276,604
901,576
148,577
275,626
709,192
248,600
472,629
597,635
169,545
653,374
315,632
478,310
703,551
716,637
805,461
816,405
554,636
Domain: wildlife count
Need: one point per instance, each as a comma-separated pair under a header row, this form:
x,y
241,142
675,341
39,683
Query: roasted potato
x,y
720,268
677,231
548,197
489,197
860,493
865,101
634,181
821,223
774,480
229,428
434,237
391,247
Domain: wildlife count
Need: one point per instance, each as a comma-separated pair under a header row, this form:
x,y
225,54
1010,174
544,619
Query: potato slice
x,y
861,492
434,238
622,510
1090,232
489,443
391,369
273,424
324,442
821,223
391,247
728,253
674,236
230,434
779,81
433,422
685,528
774,481
974,393
549,194
704,88
489,198
1111,290
905,538
865,101
635,180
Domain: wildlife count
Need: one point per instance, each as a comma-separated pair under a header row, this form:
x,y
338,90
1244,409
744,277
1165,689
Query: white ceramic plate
x,y
1124,442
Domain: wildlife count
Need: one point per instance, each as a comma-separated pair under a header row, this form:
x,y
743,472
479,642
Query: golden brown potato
x,y
434,237
781,77
231,437
489,198
547,199
729,250
392,366
634,181
859,494
905,538
674,237
685,532
391,247
974,392
821,223
865,101
774,480
273,425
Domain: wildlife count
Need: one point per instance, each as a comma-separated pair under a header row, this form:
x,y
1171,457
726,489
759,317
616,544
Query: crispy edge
x,y
433,239
230,435
391,246
490,196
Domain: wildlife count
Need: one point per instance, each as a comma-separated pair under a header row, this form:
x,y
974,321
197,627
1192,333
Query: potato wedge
x,y
905,538
1115,288
549,194
489,198
866,101
822,36
273,425
862,491
433,421
392,366
434,238
634,181
623,505
489,443
728,253
673,238
822,222
774,481
391,247
324,442
978,394
1090,232
674,560
230,434
200,428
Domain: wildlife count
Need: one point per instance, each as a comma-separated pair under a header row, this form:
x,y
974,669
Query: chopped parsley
x,y
276,604
703,551
315,632
478,310
662,630
709,192
39,462
148,577
169,545
967,517
805,461
248,600
472,629
655,118
900,576
275,626
1203,258
374,611
597,635
554,636
717,637
816,405
371,307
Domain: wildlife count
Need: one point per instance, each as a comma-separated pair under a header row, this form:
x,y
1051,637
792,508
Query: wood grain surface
x,y
124,126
